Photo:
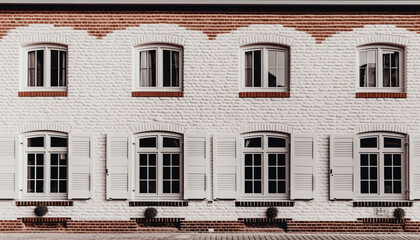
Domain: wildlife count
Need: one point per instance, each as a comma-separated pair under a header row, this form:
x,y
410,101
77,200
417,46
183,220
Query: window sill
x,y
264,94
44,203
157,94
382,204
380,95
43,94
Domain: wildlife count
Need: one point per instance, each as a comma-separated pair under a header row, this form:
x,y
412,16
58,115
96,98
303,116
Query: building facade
x,y
209,113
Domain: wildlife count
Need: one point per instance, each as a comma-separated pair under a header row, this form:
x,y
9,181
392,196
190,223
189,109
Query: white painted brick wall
x,y
323,84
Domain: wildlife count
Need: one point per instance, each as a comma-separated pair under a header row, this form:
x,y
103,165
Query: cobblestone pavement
x,y
206,236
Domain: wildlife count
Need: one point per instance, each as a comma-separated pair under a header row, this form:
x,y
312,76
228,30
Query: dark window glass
x,y
171,142
364,187
58,142
149,142
175,69
276,142
369,142
143,186
62,186
257,68
54,186
31,69
257,187
248,69
397,186
63,69
40,159
248,186
373,187
166,186
392,142
36,142
364,160
39,187
54,68
272,187
253,142
40,68
166,68
282,187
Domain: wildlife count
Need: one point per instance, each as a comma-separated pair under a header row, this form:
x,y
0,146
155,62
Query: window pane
x,y
54,186
257,159
152,68
281,187
31,186
166,68
272,187
36,142
364,187
63,172
54,172
54,68
371,68
248,187
276,142
143,186
373,187
253,142
362,69
369,142
397,159
54,159
31,69
394,78
397,186
364,173
39,186
388,186
58,142
166,186
63,186
63,68
175,159
388,159
257,68
257,173
392,142
171,142
31,159
166,173
148,68
364,160
149,142
248,69
272,159
373,160
257,187
175,69
175,187
152,187
272,69
40,68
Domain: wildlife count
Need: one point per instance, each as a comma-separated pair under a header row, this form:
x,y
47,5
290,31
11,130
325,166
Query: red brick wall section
x,y
100,23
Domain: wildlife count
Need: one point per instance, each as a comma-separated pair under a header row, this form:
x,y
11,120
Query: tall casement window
x,y
265,68
159,164
158,68
381,68
45,165
265,165
45,68
381,165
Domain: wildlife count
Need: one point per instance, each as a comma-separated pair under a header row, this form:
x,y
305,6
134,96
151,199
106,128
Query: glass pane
x,y
371,68
171,142
143,159
149,142
248,173
362,69
39,188
54,186
272,159
54,159
143,186
281,173
166,173
276,142
282,159
152,172
272,187
58,142
257,173
373,187
257,159
392,142
394,78
54,172
175,187
272,173
397,173
248,69
40,159
373,159
31,159
257,187
36,142
39,172
63,159
63,68
31,69
166,159
166,68
175,172
31,186
386,70
248,159
31,173
257,68
388,173
281,76
143,173
152,159
166,186
397,187
152,187
248,186
364,174
395,59
281,187
388,186
175,68
40,68
364,160
152,68
175,159
253,142
388,159
369,142
63,186
397,159
63,173
272,67
54,68
373,173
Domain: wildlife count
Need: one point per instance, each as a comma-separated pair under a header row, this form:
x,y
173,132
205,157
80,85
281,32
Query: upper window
x,y
381,68
159,165
46,165
265,68
45,68
265,165
158,68
382,166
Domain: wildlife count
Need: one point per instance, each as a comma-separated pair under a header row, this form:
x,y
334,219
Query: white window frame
x,y
47,149
47,67
264,69
379,49
159,151
381,150
159,68
265,150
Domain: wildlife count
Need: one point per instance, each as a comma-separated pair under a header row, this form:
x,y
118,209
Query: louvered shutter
x,y
80,166
8,157
196,152
342,157
414,167
225,166
118,147
302,166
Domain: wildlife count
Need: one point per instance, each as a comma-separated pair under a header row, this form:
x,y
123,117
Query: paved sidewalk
x,y
201,236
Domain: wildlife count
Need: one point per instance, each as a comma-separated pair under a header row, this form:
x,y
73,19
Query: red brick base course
x,y
384,225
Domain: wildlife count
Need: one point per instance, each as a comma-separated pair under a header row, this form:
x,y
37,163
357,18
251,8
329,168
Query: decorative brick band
x,y
382,220
157,94
381,95
159,126
264,220
44,203
271,127
264,94
383,204
377,127
264,204
158,204
43,94
44,219
157,220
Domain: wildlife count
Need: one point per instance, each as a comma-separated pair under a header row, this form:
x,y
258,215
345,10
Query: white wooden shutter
x,y
302,180
414,167
225,166
80,166
8,157
196,159
342,160
118,148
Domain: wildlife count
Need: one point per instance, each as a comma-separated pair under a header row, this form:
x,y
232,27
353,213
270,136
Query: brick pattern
x,y
264,204
383,204
217,226
381,95
264,94
43,94
157,94
43,219
158,204
159,222
44,203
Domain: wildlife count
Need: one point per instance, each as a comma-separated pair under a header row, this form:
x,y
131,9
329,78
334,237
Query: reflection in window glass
x,y
392,142
253,142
